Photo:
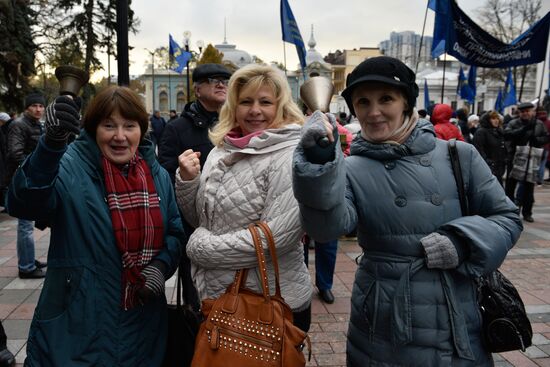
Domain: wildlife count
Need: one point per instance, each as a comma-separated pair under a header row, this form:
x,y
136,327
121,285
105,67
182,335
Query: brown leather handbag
x,y
244,328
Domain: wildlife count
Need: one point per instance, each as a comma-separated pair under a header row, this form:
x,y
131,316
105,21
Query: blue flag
x,y
442,11
463,88
291,32
456,34
179,56
498,103
426,96
472,75
509,95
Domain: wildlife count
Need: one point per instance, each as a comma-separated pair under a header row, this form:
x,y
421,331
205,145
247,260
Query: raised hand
x,y
62,118
318,127
190,164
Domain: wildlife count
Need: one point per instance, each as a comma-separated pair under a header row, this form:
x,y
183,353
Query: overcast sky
x,y
254,25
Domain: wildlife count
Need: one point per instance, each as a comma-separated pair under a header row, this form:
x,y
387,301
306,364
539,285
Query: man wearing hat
x,y
524,130
23,136
190,131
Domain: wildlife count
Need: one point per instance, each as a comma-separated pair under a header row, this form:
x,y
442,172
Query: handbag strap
x,y
242,274
457,172
273,252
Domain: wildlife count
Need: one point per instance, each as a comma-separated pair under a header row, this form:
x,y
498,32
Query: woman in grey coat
x,y
414,299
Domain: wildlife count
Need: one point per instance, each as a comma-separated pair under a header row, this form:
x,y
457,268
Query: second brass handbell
x,y
317,93
71,79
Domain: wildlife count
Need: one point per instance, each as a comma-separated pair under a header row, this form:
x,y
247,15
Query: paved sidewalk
x,y
527,266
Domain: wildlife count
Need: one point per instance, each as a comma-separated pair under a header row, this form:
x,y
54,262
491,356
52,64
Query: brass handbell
x,y
317,93
71,79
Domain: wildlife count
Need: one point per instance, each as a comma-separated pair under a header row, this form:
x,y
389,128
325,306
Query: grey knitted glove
x,y
440,251
62,118
314,129
313,133
154,281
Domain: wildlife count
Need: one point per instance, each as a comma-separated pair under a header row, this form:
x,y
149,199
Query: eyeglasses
x,y
215,81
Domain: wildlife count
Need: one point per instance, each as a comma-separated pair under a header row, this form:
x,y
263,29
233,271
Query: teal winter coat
x,y
402,313
79,320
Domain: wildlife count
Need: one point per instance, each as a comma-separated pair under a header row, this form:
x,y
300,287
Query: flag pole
x,y
284,55
443,81
541,82
421,38
169,83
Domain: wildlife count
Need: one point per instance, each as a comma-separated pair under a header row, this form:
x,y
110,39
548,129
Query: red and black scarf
x,y
137,221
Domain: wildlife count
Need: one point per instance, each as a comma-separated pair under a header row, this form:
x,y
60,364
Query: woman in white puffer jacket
x,y
247,178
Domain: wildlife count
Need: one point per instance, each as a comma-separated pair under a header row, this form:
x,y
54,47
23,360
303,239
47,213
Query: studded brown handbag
x,y
244,328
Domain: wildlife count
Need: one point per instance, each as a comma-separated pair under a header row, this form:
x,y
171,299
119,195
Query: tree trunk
x,y
90,43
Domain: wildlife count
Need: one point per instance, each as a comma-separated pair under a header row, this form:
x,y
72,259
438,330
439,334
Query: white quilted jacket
x,y
237,187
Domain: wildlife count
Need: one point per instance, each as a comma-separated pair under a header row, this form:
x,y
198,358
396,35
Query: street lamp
x,y
200,45
186,40
152,53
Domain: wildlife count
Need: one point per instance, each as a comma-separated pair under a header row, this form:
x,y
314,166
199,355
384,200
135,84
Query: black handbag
x,y
183,326
506,326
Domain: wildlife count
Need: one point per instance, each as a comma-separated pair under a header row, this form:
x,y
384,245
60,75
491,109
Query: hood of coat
x,y
85,147
269,140
442,113
421,141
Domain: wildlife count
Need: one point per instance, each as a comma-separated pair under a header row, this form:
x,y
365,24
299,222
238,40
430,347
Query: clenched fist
x,y
190,164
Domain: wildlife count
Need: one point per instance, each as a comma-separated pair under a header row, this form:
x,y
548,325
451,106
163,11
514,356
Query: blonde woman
x,y
247,178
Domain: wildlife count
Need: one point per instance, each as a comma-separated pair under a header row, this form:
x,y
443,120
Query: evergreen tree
x,y
210,55
17,53
74,30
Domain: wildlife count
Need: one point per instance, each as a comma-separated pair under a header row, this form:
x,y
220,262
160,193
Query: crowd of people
x,y
497,139
154,196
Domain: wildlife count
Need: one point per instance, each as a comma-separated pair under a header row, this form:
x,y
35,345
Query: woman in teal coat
x,y
414,300
116,235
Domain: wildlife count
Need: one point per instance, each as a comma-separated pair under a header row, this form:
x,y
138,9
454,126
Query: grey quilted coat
x,y
238,187
402,313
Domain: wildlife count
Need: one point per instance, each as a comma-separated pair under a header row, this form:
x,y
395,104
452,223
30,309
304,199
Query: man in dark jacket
x,y
23,136
524,130
158,123
173,115
462,116
5,121
190,131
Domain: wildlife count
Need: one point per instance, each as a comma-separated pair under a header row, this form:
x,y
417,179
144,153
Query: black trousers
x,y
3,337
302,319
527,198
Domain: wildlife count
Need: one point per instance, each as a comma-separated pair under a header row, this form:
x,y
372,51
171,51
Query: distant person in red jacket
x,y
444,129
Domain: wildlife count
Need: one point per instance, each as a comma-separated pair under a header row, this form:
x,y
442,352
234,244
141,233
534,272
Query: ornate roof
x,y
237,57
312,55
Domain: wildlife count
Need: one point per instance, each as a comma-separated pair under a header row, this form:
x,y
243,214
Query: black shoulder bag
x,y
505,323
183,326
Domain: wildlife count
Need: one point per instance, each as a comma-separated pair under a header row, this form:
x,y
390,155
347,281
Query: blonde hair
x,y
255,77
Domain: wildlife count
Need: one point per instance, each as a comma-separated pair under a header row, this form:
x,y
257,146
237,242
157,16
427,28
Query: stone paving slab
x,y
527,266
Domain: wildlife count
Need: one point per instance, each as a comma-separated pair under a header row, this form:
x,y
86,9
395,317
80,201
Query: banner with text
x,y
459,36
